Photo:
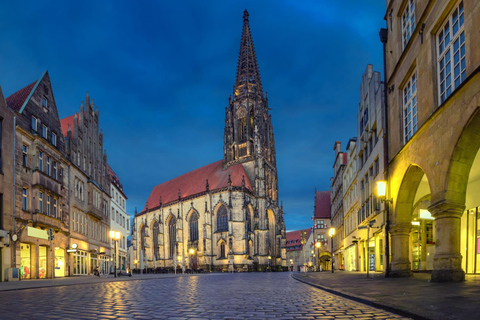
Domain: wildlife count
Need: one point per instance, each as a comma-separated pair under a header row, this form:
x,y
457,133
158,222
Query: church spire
x,y
248,77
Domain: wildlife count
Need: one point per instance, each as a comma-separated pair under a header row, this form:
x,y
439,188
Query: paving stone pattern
x,y
212,296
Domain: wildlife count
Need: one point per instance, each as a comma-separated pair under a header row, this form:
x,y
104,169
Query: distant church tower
x,y
248,126
249,140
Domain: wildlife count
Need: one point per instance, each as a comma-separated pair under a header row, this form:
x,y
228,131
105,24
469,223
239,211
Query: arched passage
x,y
414,186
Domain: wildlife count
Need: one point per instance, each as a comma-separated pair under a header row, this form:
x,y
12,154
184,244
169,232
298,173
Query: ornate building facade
x,y
89,185
226,214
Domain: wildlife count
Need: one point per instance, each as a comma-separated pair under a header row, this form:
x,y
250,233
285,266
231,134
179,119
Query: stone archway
x,y
448,206
401,220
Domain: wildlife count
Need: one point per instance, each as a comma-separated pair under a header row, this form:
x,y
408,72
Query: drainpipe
x,y
384,38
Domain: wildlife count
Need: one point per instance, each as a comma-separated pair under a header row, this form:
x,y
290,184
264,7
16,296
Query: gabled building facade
x,y
89,198
119,219
225,214
41,185
321,224
300,250
336,198
7,200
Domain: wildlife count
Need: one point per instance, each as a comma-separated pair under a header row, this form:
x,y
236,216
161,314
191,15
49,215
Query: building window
x,y
410,108
44,131
45,102
54,139
222,250
55,208
54,171
34,124
1,122
25,156
172,237
48,165
377,167
156,233
222,221
48,212
408,22
194,226
24,199
451,42
40,202
40,160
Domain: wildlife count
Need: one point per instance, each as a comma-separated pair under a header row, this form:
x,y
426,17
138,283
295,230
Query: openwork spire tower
x,y
248,77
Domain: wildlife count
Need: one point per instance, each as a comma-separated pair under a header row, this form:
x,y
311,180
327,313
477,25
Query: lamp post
x,y
291,264
115,236
317,245
135,263
269,259
331,233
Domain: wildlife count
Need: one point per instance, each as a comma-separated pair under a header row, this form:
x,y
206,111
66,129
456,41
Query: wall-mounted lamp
x,y
421,33
382,191
391,88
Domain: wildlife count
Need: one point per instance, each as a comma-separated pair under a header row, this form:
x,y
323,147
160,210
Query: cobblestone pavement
x,y
211,296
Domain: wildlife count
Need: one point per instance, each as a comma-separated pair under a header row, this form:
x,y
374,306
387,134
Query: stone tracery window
x,y
194,226
222,220
156,248
172,236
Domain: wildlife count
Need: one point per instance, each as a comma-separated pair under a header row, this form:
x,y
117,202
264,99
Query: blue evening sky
x,y
161,73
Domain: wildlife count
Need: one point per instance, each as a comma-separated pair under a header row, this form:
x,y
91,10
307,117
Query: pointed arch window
x,y
194,226
156,248
172,236
249,220
252,129
222,251
222,221
242,123
142,237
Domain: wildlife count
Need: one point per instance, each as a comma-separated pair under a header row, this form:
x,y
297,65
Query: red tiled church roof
x,y
194,182
65,122
322,205
16,100
294,238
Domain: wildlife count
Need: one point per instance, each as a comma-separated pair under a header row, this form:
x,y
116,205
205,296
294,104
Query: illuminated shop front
x,y
59,262
80,263
25,263
351,263
470,241
42,262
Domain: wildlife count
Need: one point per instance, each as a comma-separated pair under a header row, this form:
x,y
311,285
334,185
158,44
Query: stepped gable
x,y
322,205
194,182
17,99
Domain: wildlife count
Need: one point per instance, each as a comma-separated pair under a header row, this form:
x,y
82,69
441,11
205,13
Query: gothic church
x,y
225,215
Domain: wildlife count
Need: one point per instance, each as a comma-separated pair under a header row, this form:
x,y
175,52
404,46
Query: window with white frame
x,y
54,171
34,124
25,199
451,45
54,139
40,202
25,155
410,107
40,160
44,131
55,215
48,166
45,102
408,22
48,212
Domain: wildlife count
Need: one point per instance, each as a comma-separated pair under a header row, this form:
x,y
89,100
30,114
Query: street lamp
x,y
115,236
291,264
269,259
331,233
317,245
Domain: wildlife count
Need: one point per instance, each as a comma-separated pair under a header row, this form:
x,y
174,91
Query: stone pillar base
x,y
400,273
448,276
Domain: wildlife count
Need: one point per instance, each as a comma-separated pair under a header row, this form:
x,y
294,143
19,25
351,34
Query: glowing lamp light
x,y
381,188
192,251
318,244
331,232
415,223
